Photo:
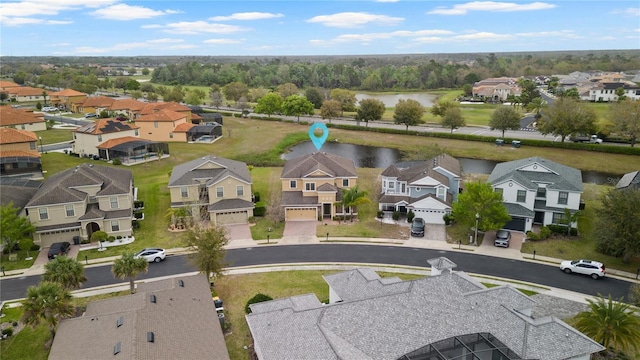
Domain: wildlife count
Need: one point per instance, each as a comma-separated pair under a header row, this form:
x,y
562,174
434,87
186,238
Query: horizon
x,y
104,28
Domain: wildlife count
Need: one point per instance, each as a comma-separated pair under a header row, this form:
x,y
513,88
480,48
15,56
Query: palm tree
x,y
570,218
613,324
537,104
46,303
353,197
65,271
128,267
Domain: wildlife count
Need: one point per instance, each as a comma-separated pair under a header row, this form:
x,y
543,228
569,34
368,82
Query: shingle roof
x,y
558,176
211,168
10,116
231,204
105,126
291,198
412,171
18,195
60,188
14,136
332,165
629,180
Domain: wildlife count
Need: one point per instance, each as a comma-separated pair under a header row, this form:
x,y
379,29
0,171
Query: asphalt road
x,y
15,288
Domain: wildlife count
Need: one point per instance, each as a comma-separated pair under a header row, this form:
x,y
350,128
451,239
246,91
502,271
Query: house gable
x,y
430,202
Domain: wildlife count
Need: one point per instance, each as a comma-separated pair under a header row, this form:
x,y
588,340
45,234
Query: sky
x,y
301,27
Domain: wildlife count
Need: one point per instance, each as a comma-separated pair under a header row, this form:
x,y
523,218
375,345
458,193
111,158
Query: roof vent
x,y
180,283
150,336
120,321
152,298
117,348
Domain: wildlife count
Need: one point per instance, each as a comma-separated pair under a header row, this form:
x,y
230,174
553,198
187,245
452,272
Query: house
x,y
496,89
170,318
5,85
80,201
94,105
21,119
214,188
312,186
630,181
426,188
68,99
87,137
26,94
130,108
132,150
536,191
19,154
448,315
154,107
161,125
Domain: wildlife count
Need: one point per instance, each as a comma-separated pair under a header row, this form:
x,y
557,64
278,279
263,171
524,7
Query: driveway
x,y
515,244
299,232
239,235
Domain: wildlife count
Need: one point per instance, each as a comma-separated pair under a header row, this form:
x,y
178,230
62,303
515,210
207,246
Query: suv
x,y
57,249
586,267
502,238
49,108
417,227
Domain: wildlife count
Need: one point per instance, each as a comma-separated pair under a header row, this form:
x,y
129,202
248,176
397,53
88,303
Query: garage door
x,y
430,216
46,239
235,217
517,224
301,214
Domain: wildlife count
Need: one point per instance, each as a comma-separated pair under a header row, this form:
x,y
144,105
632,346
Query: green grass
x,y
52,136
22,254
524,291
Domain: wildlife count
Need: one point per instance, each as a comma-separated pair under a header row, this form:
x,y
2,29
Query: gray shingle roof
x,y
518,210
231,204
59,188
290,198
558,176
190,172
333,165
629,180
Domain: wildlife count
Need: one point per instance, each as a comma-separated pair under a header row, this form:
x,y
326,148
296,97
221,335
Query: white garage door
x,y
301,214
46,239
430,216
235,217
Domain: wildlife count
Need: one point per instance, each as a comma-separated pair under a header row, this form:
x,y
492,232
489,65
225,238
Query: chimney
x,y
440,264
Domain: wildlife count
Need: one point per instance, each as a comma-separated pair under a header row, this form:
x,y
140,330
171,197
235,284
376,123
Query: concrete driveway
x,y
239,235
487,246
299,232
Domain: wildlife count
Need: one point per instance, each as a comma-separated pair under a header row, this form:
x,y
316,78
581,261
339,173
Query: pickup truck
x,y
593,139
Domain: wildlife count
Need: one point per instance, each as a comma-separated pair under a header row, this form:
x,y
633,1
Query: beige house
x,y
80,201
21,119
214,188
127,107
94,105
161,125
154,107
312,185
19,154
496,89
87,137
67,99
26,94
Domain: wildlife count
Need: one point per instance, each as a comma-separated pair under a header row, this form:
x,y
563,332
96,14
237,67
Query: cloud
x,y
222,41
565,34
247,16
165,41
198,27
18,21
635,12
493,6
483,36
386,1
47,7
124,48
368,37
126,12
354,19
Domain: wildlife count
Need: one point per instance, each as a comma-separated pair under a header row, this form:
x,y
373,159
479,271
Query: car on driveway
x,y
90,115
585,267
57,249
151,254
417,227
502,238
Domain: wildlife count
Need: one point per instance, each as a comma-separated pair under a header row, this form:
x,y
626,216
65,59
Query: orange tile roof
x,y
105,126
68,92
114,142
184,127
127,104
10,116
150,108
10,153
98,101
8,84
25,91
195,116
13,136
162,115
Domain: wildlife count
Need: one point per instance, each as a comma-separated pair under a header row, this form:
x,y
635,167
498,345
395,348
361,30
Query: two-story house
x,y
215,189
87,137
427,188
94,105
19,154
312,186
536,190
28,94
21,119
67,99
162,125
80,201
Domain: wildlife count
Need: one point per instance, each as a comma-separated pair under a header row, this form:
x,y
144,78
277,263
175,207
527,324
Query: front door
x,y
326,210
538,217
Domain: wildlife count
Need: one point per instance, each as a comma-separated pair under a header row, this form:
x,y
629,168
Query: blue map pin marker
x,y
318,141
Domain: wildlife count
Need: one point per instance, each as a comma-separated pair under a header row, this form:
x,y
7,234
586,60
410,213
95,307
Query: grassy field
x,y
53,136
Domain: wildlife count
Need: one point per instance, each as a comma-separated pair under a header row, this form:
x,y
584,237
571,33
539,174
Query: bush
x,y
380,214
111,238
135,224
99,236
8,332
396,215
259,211
634,294
258,298
256,197
34,247
561,229
545,232
410,216
448,219
117,161
119,237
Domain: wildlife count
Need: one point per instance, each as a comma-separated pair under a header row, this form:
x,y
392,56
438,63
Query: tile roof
x,y
115,142
62,187
183,321
25,91
558,176
19,153
105,126
183,128
15,136
10,116
332,165
211,168
127,104
8,84
98,101
151,108
67,92
162,115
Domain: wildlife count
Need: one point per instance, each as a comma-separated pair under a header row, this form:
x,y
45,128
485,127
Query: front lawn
x,y
53,136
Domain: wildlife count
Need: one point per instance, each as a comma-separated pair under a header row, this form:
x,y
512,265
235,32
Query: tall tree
x,y
296,105
46,303
346,97
128,267
505,118
208,249
566,117
287,89
370,110
193,98
330,109
65,271
613,324
441,107
269,104
625,116
313,95
408,112
453,118
618,223
235,90
353,197
44,96
536,105
14,227
132,84
479,198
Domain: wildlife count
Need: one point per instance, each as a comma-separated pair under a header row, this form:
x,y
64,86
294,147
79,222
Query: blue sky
x,y
300,27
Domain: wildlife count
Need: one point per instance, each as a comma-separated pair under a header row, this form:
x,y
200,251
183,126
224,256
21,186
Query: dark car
x,y
502,238
59,248
417,227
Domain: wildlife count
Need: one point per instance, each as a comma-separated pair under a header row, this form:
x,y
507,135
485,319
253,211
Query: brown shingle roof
x,y
14,136
10,116
105,126
98,101
162,115
333,165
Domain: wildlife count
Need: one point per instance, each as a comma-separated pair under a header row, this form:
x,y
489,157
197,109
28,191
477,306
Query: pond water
x,y
390,100
375,157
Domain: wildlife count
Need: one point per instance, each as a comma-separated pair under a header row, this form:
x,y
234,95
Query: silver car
x,y
502,238
151,254
585,267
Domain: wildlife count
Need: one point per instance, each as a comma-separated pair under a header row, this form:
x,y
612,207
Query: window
x,y
170,135
32,145
155,124
440,192
99,137
44,214
522,196
541,193
115,225
499,190
136,132
220,191
563,197
293,184
392,185
69,210
239,190
558,218
345,182
310,186
22,127
184,191
114,202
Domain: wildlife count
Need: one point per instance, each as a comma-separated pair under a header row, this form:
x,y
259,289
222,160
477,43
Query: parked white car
x,y
49,108
586,267
151,254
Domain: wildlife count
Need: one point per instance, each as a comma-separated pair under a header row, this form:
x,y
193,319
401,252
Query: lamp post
x,y
40,138
475,239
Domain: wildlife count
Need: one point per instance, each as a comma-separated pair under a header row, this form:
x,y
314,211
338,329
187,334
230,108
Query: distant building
x,y
21,119
19,156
